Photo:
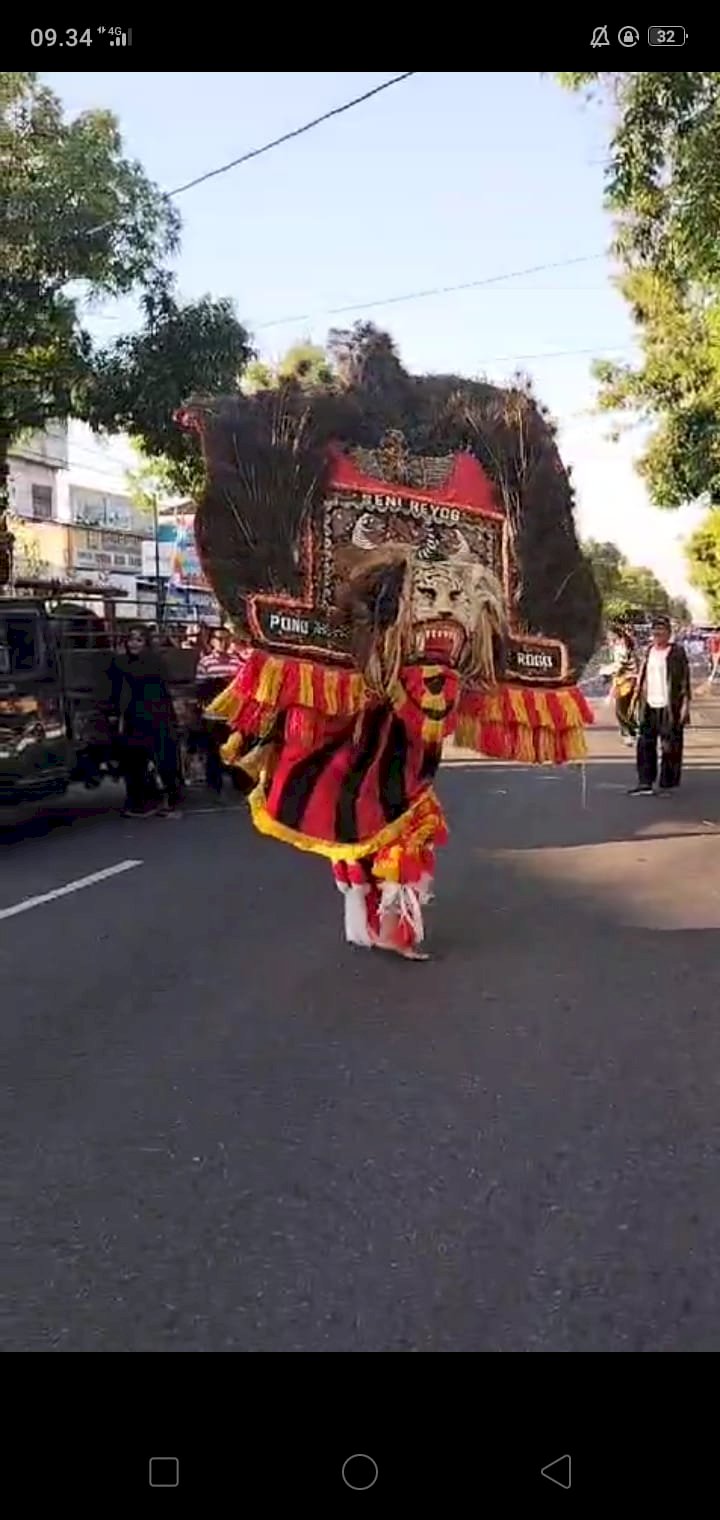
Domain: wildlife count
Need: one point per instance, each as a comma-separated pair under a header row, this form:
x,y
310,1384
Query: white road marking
x,y
72,886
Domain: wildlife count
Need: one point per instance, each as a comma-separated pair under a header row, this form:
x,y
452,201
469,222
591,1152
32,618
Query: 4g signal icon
x,y
116,36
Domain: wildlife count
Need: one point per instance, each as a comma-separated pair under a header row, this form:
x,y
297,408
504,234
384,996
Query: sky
x,y
443,180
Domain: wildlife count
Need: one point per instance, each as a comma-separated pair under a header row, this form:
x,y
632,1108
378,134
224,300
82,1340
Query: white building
x,y
35,464
74,518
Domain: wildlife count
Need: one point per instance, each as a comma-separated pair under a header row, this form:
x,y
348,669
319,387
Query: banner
x,y
186,573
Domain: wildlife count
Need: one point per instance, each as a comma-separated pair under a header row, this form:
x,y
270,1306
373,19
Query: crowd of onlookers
x,y
161,747
201,637
702,645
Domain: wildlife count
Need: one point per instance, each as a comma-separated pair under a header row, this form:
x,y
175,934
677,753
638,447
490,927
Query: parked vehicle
x,y
58,715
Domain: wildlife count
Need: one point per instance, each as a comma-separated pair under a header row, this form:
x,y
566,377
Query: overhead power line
x,y
415,295
557,353
307,126
536,290
276,142
435,290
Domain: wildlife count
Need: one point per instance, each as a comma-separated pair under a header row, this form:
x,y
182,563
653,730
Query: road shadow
x,y
519,808
79,808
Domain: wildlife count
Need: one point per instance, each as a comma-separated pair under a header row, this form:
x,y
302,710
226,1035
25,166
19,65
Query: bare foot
x,y
408,953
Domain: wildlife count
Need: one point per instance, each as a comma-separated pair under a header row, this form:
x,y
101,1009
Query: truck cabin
x,y
23,650
78,627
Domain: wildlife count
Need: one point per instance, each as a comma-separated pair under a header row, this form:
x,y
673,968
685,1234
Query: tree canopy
x,y
72,209
626,588
703,555
663,186
305,363
136,384
79,220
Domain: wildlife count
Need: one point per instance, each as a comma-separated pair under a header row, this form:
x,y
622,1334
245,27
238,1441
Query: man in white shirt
x,y
662,705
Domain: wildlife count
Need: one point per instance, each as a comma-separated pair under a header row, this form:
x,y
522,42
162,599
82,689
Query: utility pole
x,y
158,593
7,541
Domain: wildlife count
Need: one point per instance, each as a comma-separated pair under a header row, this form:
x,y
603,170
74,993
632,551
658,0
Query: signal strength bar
x,y
122,39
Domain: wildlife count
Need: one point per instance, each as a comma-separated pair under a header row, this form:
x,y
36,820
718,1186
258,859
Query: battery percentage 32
x,y
667,36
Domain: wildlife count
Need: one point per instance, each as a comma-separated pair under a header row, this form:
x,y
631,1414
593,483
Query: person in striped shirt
x,y
215,669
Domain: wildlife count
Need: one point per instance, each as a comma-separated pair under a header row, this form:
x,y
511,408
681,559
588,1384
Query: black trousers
x,y
139,787
214,736
622,713
657,729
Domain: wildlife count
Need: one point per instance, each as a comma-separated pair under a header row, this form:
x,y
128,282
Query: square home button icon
x,y
164,1472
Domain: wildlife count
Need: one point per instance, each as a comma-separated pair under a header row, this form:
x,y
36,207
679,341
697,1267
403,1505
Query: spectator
x,y
218,663
203,638
215,671
714,654
662,705
624,677
148,730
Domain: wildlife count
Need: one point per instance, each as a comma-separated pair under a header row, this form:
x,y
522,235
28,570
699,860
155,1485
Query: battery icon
x,y
667,36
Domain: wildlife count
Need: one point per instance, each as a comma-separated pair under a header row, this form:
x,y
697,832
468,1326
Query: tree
x,y
73,210
642,587
663,187
680,610
606,561
703,555
304,362
151,482
627,589
137,383
676,388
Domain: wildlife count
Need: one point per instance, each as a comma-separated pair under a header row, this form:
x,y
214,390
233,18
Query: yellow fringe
x,y
331,689
306,694
493,708
390,867
265,824
225,705
525,746
546,747
576,744
468,735
229,750
433,730
270,682
259,762
465,732
517,702
358,692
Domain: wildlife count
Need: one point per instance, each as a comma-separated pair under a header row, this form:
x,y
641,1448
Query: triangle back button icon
x,y
559,1471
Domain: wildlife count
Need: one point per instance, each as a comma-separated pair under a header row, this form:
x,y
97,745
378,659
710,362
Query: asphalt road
x,y
229,1132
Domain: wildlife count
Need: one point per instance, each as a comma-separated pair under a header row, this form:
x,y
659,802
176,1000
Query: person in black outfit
x,y
662,707
148,729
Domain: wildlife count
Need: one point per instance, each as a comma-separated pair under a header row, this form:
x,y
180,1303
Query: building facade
x,y
73,518
35,466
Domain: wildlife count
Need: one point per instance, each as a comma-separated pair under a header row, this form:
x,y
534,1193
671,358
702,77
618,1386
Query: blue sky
x,y
446,178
